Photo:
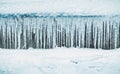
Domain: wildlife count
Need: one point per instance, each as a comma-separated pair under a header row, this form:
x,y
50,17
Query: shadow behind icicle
x,y
44,32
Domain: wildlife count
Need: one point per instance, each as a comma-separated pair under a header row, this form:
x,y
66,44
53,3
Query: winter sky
x,y
67,6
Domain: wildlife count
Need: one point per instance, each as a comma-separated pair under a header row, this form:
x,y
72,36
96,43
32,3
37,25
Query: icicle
x,y
22,32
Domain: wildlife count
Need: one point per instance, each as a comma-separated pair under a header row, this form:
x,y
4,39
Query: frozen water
x,y
47,31
59,24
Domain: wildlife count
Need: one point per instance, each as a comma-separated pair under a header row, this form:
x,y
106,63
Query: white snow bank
x,y
59,61
68,6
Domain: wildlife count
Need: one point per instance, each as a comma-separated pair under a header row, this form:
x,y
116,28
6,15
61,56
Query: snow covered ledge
x,y
49,24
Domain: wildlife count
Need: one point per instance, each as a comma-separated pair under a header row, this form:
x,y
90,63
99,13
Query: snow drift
x,y
59,61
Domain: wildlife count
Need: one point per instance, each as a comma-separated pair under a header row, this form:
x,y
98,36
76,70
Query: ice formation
x,y
22,31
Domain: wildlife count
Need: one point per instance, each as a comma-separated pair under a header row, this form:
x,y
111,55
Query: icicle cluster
x,y
44,32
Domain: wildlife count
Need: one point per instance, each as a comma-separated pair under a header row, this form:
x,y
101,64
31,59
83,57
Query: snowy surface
x,y
106,7
60,61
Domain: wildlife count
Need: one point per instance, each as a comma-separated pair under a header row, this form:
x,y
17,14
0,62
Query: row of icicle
x,y
51,32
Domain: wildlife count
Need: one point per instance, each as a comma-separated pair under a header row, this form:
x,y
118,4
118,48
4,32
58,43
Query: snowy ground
x,y
60,61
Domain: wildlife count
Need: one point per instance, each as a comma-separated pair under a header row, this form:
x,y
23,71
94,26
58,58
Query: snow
x,y
59,61
80,7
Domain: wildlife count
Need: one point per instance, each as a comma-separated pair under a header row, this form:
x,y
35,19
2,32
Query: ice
x,y
22,31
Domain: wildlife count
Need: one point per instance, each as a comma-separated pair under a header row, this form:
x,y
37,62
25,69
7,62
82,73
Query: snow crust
x,y
59,61
79,7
